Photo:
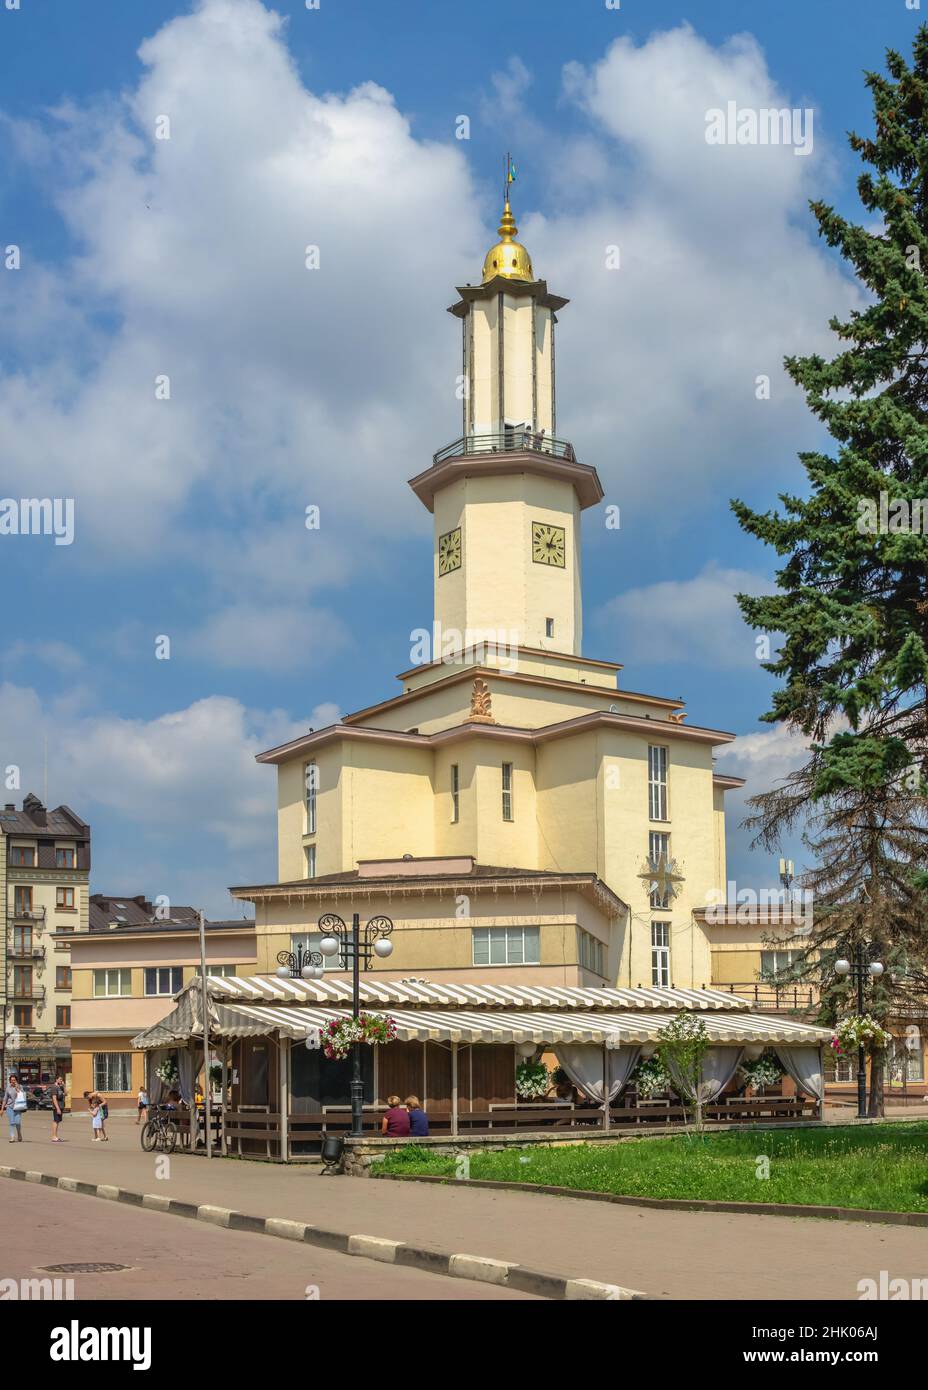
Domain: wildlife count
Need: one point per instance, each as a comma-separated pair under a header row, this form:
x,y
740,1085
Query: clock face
x,y
449,551
548,545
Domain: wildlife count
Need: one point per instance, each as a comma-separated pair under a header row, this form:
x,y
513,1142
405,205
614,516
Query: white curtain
x,y
718,1067
189,1061
804,1065
590,1067
156,1086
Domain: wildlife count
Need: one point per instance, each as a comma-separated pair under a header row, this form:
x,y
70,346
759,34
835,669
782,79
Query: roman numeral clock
x,y
548,545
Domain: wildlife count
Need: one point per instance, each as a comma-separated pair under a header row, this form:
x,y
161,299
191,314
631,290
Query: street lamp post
x,y
356,946
301,964
860,969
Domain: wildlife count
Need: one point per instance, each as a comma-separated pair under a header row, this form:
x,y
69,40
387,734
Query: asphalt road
x,y
172,1258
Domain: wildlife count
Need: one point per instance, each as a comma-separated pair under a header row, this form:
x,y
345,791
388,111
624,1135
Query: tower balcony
x,y
515,450
510,441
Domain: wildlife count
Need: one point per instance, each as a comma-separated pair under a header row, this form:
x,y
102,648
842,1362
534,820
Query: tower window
x,y
549,627
455,794
657,782
507,791
660,954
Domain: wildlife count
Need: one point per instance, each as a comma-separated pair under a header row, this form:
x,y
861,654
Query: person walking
x,y
142,1117
58,1098
15,1105
396,1121
418,1120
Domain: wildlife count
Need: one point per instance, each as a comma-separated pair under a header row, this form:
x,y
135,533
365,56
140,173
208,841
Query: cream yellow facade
x,y
506,749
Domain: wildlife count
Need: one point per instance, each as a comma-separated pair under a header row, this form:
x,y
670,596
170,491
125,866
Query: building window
x,y
23,856
773,963
64,897
220,970
592,953
310,942
22,902
112,1071
507,791
164,979
22,941
660,953
22,1015
657,782
906,1061
658,849
22,981
310,861
109,983
64,859
549,627
506,946
455,793
63,1016
62,977
311,777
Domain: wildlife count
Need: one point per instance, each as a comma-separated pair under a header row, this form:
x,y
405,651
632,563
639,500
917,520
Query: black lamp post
x,y
860,969
356,946
300,964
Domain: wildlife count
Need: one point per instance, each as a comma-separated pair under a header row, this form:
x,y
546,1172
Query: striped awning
x,y
498,1026
273,989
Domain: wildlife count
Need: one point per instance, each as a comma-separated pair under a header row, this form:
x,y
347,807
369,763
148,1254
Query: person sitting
x,y
395,1122
418,1120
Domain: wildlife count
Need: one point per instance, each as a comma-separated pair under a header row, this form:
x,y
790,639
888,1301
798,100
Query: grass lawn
x,y
884,1167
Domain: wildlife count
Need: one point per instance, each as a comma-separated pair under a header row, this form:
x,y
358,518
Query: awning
x,y
610,1028
272,989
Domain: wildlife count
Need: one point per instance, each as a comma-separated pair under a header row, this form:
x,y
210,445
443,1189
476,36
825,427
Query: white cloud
x,y
693,620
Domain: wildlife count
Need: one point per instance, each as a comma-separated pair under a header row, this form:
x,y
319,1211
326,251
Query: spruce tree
x,y
852,595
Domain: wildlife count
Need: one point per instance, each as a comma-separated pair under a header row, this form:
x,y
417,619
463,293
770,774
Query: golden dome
x,y
508,257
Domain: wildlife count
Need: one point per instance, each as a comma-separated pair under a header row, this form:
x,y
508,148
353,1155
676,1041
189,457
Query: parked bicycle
x,y
160,1132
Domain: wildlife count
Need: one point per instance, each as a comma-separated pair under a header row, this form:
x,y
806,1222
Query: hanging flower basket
x,y
167,1073
651,1077
765,1071
340,1034
533,1080
859,1030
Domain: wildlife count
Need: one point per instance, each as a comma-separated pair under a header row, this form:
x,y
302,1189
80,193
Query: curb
x,y
888,1218
476,1267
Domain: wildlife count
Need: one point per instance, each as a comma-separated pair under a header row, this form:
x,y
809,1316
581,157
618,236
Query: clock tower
x,y
507,496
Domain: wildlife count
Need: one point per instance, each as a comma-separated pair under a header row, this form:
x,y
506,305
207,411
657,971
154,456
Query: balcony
x,y
35,994
779,998
515,441
28,914
33,953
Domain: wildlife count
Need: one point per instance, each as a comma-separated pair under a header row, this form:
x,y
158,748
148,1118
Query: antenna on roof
x,y
45,774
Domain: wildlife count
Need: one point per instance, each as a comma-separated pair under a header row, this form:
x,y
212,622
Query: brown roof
x,y
34,819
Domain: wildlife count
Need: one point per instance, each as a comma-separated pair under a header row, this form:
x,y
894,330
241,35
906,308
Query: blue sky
x,y
184,257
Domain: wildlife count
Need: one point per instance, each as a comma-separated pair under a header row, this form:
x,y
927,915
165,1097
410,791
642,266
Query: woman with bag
x,y
15,1105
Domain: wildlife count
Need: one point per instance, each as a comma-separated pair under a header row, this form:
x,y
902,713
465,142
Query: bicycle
x,y
160,1132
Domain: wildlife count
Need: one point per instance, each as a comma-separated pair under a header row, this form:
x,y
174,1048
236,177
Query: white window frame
x,y
104,977
117,1066
310,942
507,791
455,793
510,946
310,861
591,953
169,980
659,844
310,788
660,954
219,971
658,761
779,964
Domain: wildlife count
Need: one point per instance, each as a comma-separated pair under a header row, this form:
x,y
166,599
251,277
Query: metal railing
x,y
507,442
772,996
26,953
28,914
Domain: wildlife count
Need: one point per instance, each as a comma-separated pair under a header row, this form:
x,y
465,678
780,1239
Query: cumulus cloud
x,y
693,620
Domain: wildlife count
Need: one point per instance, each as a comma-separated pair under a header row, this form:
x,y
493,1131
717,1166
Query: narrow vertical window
x,y
507,791
455,793
549,627
311,775
660,953
659,849
310,861
657,782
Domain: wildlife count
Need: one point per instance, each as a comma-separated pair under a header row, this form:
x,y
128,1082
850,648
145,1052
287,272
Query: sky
x,y
169,362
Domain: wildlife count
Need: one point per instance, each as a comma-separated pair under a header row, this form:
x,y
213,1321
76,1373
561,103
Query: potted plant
x,y
761,1072
533,1081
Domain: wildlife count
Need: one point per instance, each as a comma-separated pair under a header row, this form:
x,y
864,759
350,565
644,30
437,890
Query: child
x,y
98,1114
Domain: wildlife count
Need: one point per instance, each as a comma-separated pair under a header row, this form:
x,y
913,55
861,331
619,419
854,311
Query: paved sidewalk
x,y
703,1255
